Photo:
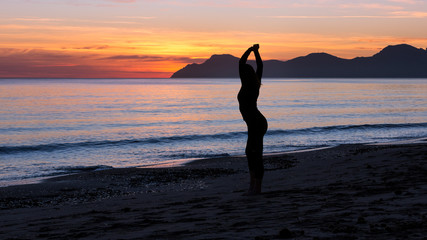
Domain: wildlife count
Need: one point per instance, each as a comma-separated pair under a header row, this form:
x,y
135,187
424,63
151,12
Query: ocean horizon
x,y
52,127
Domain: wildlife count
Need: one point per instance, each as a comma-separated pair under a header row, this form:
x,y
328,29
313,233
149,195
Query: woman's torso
x,y
247,97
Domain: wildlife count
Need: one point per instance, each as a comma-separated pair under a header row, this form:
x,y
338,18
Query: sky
x,y
155,38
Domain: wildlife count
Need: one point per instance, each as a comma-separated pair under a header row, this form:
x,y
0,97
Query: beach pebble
x,y
285,233
361,220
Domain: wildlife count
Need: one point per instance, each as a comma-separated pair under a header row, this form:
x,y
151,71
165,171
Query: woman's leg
x,y
254,151
255,164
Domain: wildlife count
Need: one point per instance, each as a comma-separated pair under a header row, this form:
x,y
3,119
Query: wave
x,y
193,155
336,128
57,171
208,137
105,143
79,169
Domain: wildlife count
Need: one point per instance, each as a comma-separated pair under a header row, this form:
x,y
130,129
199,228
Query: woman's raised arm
x,y
259,64
245,56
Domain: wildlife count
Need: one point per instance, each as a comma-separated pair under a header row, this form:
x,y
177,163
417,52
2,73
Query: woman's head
x,y
249,73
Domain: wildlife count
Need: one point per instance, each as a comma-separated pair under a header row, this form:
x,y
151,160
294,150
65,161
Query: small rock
x,y
285,233
361,220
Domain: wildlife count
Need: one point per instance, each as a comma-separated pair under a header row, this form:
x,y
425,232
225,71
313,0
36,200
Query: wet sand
x,y
346,192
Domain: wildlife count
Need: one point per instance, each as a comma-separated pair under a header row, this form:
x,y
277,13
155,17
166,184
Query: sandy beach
x,y
345,192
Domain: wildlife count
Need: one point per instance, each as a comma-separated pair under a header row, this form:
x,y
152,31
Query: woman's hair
x,y
249,73
248,69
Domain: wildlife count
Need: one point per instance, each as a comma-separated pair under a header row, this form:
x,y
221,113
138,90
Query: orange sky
x,y
147,39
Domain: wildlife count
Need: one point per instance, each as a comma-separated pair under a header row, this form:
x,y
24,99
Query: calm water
x,y
51,127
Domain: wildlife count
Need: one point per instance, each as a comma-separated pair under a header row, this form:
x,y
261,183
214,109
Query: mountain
x,y
396,61
218,66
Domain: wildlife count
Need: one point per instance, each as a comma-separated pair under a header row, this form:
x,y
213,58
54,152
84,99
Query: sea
x,y
51,127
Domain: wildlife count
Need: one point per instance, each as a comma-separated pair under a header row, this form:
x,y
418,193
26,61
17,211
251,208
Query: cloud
x,y
405,1
330,17
317,17
375,6
36,63
256,4
409,14
122,1
37,19
153,58
35,56
96,47
136,17
394,14
41,63
394,40
133,57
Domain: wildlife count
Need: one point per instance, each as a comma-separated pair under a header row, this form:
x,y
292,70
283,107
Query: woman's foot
x,y
254,188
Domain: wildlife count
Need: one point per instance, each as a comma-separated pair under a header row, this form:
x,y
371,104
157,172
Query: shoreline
x,y
176,163
183,162
349,191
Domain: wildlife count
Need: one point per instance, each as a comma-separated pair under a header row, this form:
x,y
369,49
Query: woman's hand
x,y
255,47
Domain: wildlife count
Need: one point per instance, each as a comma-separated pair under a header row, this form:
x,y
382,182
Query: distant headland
x,y
397,61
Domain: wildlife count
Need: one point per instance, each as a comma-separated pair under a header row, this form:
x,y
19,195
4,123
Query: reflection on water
x,y
43,112
45,124
292,105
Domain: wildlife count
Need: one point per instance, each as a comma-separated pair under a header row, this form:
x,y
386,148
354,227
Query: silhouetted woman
x,y
255,121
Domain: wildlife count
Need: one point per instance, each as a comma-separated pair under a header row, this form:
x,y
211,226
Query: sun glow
x,y
154,39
